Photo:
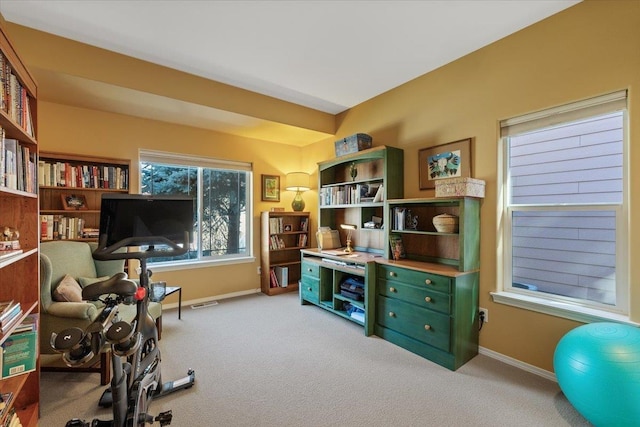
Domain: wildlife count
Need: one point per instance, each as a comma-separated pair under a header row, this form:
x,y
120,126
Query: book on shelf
x,y
273,280
55,173
397,246
379,197
276,242
399,218
282,275
59,227
5,402
19,354
9,310
30,323
18,165
14,99
304,224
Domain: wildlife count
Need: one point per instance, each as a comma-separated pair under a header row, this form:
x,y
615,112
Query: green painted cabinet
x,y
353,189
427,299
321,284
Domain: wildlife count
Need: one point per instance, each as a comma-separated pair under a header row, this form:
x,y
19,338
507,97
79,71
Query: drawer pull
x,y
392,289
428,281
392,314
427,327
427,299
392,274
310,270
309,289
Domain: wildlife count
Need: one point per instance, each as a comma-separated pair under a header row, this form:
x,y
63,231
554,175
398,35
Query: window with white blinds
x,y
565,204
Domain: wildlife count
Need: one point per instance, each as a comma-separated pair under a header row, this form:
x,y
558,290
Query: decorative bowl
x,y
446,223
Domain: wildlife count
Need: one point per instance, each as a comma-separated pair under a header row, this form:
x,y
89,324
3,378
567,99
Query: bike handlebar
x,y
109,253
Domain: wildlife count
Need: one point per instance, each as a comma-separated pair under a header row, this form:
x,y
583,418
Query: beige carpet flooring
x,y
269,361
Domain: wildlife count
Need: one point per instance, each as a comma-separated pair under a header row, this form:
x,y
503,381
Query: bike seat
x,y
117,284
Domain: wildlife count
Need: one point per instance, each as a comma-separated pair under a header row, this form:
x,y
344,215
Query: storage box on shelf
x,y
283,234
427,297
353,144
19,211
460,187
64,177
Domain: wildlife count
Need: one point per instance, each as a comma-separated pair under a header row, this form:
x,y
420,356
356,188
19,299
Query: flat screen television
x,y
124,216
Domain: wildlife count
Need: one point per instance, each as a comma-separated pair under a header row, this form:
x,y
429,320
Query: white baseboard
x,y
208,299
518,364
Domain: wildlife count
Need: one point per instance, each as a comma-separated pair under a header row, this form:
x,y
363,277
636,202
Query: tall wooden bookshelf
x,y
82,178
19,270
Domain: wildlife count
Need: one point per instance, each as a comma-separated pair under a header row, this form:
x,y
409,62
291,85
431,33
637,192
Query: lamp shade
x,y
297,181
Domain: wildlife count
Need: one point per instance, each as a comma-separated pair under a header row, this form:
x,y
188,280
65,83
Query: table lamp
x,y
298,182
349,228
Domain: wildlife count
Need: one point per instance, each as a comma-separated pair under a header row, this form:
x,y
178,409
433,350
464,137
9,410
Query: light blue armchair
x,y
61,258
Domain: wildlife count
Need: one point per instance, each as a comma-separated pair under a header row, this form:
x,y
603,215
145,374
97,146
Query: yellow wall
x,y
76,130
587,50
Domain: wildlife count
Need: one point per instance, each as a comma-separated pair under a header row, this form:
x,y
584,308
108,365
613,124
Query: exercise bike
x,y
135,355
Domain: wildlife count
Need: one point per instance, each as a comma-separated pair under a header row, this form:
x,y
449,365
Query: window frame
x,y
556,305
199,162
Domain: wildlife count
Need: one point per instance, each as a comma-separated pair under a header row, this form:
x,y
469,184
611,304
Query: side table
x,y
172,289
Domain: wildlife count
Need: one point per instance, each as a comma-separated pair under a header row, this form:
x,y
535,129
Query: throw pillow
x,y
68,290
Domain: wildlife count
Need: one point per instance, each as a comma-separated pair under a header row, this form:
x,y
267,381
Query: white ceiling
x,y
326,55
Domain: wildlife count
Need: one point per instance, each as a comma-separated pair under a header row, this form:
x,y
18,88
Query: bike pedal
x,y
164,418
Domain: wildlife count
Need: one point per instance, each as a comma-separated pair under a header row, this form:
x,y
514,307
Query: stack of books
x,y
10,312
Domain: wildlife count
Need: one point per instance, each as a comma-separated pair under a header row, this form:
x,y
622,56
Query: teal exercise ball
x,y
598,369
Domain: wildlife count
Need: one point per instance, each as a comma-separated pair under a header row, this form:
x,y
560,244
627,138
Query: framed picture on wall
x,y
452,160
270,188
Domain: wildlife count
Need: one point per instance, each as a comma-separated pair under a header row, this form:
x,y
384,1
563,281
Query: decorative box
x,y
353,144
458,187
8,245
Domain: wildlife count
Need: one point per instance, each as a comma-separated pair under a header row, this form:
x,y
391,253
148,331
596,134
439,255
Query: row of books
x,y
14,99
12,419
276,242
59,227
351,194
278,226
64,174
279,277
17,165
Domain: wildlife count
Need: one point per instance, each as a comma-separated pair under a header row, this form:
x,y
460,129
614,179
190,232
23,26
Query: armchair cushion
x,y
86,281
68,290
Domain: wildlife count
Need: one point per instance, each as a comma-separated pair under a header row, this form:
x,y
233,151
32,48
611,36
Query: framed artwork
x,y
452,160
73,202
270,188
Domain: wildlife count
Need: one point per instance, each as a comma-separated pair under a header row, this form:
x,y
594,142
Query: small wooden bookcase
x,y
282,235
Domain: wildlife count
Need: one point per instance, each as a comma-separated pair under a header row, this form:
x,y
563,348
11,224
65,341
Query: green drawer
x,y
413,277
310,269
418,295
418,323
309,289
